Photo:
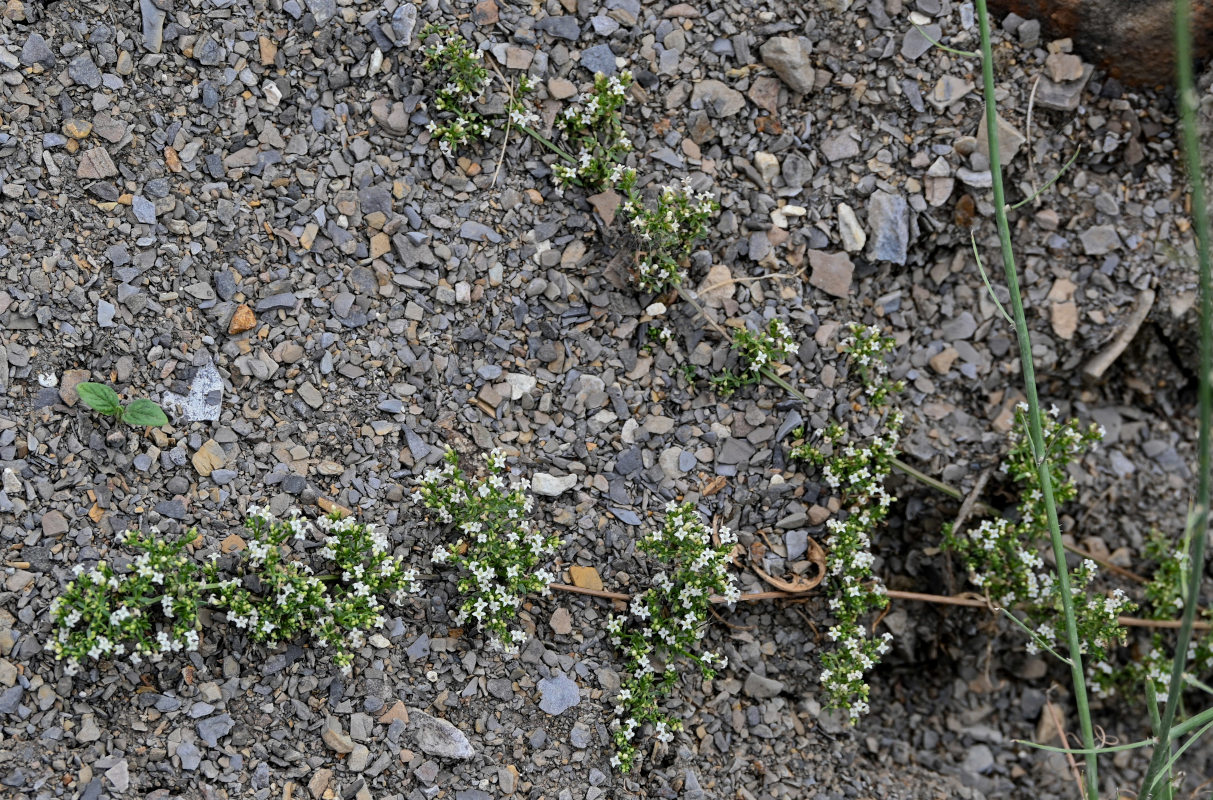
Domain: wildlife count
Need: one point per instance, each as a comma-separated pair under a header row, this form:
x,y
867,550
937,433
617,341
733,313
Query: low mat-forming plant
x,y
666,623
857,474
593,142
1002,554
667,232
151,609
503,555
758,351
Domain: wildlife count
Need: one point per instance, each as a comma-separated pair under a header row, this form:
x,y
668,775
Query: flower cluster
x,y
502,554
1164,600
868,351
152,609
466,80
857,475
667,232
139,614
756,351
667,622
336,608
1003,556
596,143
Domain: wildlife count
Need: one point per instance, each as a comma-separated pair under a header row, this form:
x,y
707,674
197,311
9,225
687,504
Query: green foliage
x,y
666,623
104,400
668,232
857,474
1002,555
466,80
756,351
500,551
151,609
596,143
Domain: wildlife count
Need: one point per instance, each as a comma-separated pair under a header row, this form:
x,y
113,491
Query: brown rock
x,y
485,13
717,286
397,712
831,272
232,543
606,204
1065,319
1063,67
320,781
269,50
942,361
68,383
96,164
764,93
53,524
561,89
585,578
242,320
77,128
561,621
208,457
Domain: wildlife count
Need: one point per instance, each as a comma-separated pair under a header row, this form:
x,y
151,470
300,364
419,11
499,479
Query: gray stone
x,y
105,313
437,737
949,90
189,755
479,232
404,21
153,29
796,542
205,400
717,98
1100,240
789,58
915,44
1062,96
558,694
562,27
735,451
961,326
207,51
550,486
10,699
212,729
37,51
889,223
599,58
979,759
145,210
82,70
761,687
322,10
844,144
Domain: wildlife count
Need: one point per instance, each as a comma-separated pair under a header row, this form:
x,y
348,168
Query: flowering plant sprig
x,y
336,608
1163,600
140,614
152,609
502,554
667,622
756,350
857,474
1002,554
466,82
668,232
596,142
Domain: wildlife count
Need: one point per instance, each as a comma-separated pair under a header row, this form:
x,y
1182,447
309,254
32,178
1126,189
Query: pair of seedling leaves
x,y
104,400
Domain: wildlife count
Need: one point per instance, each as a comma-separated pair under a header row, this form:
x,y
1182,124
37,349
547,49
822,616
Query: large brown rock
x,y
1131,39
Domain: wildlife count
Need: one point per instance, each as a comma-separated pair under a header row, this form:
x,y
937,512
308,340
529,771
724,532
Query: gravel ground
x,y
232,207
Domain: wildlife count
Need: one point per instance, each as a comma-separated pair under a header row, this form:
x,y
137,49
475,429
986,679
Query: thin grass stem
x,y
1199,515
1048,183
1036,425
1116,748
